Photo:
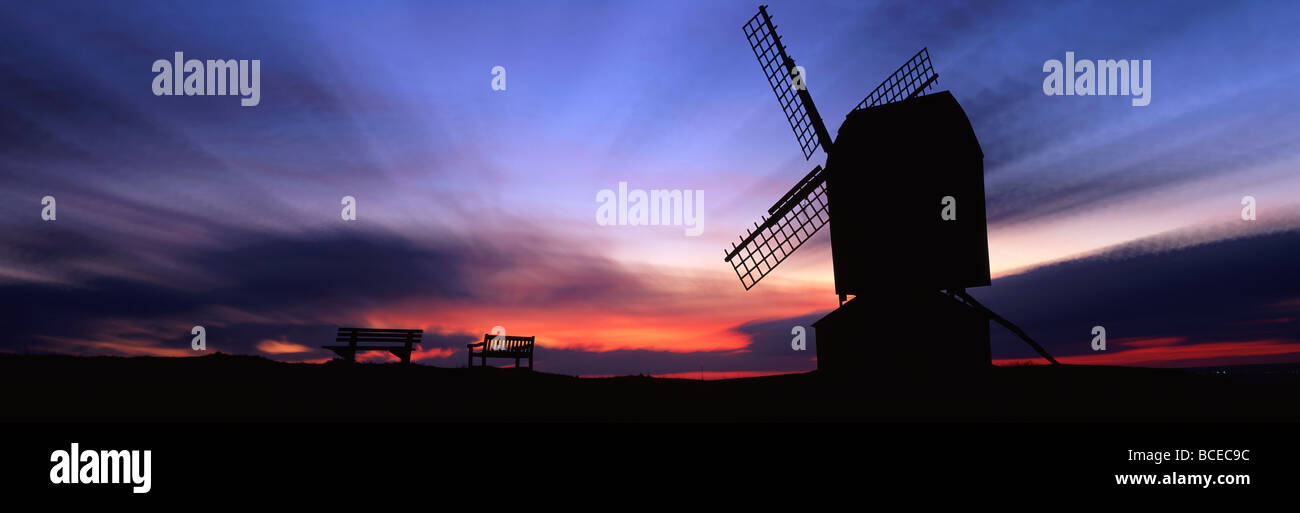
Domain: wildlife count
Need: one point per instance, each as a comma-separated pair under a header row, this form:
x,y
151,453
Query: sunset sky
x,y
476,208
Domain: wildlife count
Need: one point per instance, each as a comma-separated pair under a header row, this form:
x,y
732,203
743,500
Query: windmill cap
x,y
935,117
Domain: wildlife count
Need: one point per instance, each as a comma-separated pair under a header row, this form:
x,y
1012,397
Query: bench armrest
x,y
476,344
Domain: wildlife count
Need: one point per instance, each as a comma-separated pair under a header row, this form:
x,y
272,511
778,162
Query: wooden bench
x,y
398,342
501,346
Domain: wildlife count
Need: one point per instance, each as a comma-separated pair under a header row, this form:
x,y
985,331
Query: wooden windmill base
x,y
894,334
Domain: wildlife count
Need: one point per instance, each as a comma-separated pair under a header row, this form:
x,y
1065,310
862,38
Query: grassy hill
x,y
249,388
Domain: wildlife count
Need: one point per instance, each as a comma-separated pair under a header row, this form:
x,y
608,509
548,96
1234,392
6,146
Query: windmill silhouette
x,y
904,184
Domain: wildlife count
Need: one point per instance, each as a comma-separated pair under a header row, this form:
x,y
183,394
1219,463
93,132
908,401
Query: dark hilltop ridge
x,y
249,388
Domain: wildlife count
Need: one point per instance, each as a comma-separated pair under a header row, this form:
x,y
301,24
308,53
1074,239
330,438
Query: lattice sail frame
x,y
795,219
911,79
779,69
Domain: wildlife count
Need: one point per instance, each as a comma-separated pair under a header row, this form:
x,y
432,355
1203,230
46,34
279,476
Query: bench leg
x,y
516,362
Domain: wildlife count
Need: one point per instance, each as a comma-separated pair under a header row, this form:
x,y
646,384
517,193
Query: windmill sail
x,y
781,75
911,79
794,219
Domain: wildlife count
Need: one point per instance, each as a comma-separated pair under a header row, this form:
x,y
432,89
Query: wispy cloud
x,y
476,207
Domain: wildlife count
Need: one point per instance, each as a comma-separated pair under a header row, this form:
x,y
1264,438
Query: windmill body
x,y
894,161
893,251
891,167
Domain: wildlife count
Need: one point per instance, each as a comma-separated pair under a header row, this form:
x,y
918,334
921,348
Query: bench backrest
x,y
374,335
508,344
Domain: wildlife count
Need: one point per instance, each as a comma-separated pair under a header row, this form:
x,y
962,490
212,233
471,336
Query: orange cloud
x,y
282,347
714,375
120,346
698,320
377,357
387,357
309,360
435,352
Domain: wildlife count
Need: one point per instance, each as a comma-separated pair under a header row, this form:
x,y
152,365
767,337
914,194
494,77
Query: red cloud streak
x,y
1159,352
